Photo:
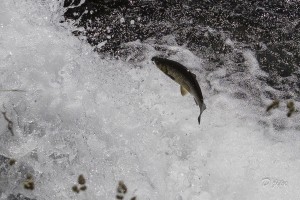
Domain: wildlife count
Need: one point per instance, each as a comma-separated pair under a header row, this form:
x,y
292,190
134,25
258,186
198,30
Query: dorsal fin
x,y
183,91
194,75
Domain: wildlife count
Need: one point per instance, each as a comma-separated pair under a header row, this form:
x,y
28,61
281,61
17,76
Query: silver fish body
x,y
186,79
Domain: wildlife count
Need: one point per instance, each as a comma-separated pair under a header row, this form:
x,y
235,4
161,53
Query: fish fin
x,y
196,102
194,75
183,91
202,108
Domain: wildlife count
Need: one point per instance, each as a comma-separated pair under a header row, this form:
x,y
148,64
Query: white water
x,y
111,120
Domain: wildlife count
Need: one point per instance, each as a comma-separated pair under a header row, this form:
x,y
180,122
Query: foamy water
x,y
111,120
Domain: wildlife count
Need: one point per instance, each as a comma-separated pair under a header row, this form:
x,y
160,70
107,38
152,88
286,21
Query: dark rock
x,y
252,23
18,197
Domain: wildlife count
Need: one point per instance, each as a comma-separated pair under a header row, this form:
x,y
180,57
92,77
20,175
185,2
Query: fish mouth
x,y
155,59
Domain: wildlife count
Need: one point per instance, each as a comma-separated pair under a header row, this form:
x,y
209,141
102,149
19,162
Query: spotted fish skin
x,y
184,77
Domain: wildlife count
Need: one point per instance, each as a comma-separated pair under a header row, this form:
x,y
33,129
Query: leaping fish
x,y
184,77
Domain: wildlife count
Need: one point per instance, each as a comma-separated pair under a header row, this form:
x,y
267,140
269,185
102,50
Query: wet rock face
x,y
18,197
270,28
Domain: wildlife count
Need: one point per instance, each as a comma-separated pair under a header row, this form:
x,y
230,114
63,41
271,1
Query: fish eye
x,y
155,61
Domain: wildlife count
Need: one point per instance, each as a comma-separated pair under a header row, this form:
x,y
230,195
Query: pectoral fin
x,y
183,91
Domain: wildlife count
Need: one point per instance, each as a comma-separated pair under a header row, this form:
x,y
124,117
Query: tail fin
x,y
199,119
202,108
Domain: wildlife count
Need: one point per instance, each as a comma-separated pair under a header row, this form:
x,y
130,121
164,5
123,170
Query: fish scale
x,y
184,77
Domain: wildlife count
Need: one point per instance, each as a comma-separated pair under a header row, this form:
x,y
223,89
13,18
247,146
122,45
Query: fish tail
x,y
202,108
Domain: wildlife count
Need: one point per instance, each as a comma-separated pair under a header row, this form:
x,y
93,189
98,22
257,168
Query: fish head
x,y
155,59
160,64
